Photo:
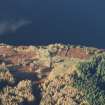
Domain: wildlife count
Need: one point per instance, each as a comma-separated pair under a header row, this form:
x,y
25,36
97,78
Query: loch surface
x,y
63,21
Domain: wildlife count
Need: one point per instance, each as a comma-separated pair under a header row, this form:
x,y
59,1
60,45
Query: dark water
x,y
65,21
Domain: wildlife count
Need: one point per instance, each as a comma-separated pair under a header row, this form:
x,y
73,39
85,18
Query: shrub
x,y
6,76
17,95
91,79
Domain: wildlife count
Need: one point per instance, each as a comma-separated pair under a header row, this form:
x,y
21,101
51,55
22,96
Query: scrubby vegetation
x,y
56,74
59,92
14,95
6,77
91,79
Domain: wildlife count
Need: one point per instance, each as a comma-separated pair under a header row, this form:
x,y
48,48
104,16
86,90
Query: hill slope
x,y
56,74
